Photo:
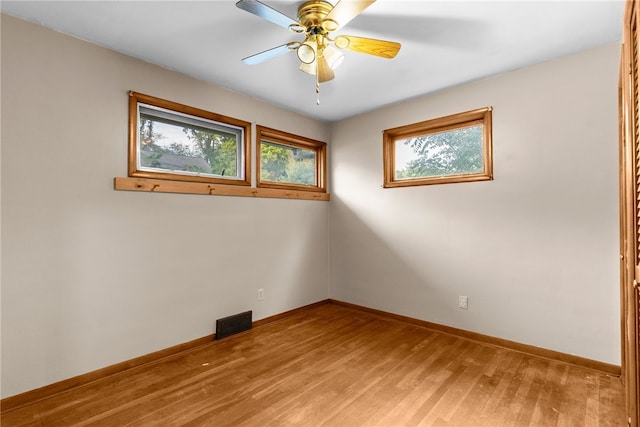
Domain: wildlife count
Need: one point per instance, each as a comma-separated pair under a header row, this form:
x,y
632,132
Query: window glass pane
x,y
283,163
453,152
187,145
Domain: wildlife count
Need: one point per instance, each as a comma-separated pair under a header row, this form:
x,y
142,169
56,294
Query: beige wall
x,y
93,276
535,250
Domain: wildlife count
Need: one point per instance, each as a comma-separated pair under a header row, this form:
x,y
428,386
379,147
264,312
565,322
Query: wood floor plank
x,y
337,366
545,413
609,404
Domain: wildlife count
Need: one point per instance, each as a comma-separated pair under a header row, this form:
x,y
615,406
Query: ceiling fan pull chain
x,y
317,90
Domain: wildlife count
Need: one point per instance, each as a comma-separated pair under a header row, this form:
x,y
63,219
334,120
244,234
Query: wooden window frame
x,y
296,141
481,116
137,98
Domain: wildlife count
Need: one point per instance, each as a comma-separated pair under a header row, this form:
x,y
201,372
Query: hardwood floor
x,y
336,366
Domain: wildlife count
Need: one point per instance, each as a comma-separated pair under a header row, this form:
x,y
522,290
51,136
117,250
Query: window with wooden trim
x,y
456,148
172,141
288,161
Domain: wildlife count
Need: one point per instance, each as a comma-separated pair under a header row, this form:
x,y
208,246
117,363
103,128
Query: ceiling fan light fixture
x,y
324,71
307,52
333,56
309,68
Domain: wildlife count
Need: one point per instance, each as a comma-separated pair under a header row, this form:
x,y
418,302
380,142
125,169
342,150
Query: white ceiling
x,y
444,43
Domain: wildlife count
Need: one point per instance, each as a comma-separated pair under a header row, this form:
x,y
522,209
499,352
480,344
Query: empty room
x,y
342,213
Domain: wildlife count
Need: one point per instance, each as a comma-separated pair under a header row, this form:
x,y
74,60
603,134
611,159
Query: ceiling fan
x,y
319,53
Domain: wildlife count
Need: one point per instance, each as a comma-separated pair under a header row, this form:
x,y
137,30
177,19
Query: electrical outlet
x,y
260,294
462,302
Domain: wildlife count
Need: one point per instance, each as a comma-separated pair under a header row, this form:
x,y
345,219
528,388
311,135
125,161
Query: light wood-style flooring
x,y
336,366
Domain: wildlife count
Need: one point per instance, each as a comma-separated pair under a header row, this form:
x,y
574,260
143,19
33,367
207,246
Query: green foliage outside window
x,y
221,152
197,150
282,163
445,153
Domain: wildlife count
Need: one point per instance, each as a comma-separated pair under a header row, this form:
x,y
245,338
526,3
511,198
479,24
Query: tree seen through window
x,y
445,153
282,163
178,148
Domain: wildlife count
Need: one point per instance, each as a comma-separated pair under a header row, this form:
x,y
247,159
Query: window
x,y
289,161
172,141
174,148
455,148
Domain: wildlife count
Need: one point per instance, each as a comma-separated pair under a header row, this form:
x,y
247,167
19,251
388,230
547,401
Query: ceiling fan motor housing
x,y
312,14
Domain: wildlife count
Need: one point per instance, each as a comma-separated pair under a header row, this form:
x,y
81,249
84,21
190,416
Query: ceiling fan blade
x,y
383,48
268,54
325,73
344,12
266,12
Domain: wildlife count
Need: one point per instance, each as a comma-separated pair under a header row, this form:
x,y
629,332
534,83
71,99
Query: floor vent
x,y
233,324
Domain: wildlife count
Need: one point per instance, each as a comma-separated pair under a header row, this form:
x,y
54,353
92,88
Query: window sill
x,y
166,186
